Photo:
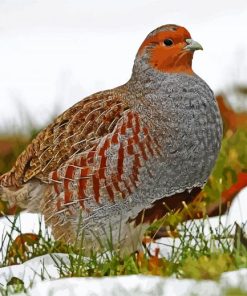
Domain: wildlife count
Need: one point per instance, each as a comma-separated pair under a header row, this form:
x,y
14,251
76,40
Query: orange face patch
x,y
169,58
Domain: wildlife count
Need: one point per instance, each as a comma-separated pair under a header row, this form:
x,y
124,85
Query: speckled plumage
x,y
118,152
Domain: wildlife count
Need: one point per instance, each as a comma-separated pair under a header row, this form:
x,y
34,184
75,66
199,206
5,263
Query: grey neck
x,y
146,78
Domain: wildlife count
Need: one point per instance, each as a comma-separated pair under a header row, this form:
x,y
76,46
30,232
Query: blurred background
x,y
55,52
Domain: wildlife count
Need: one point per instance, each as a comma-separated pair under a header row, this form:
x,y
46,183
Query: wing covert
x,y
76,130
110,169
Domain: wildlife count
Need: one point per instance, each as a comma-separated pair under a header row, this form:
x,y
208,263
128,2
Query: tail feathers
x,y
10,191
7,190
9,180
8,195
28,197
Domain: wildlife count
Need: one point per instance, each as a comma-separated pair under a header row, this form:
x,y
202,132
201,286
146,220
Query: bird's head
x,y
168,49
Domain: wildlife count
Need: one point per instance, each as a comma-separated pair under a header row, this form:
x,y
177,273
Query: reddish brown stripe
x,y
120,161
90,157
137,125
82,185
101,173
69,174
103,159
137,163
81,195
145,130
123,129
136,138
96,188
84,172
83,162
58,204
130,148
55,184
114,138
67,196
54,176
123,194
105,146
110,192
130,118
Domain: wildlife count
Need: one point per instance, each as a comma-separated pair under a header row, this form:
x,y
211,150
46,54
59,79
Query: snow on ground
x,y
46,266
124,286
32,270
134,285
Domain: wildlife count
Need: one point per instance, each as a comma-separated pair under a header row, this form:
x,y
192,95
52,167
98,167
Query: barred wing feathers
x,y
76,130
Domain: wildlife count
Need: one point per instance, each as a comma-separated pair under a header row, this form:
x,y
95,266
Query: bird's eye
x,y
168,42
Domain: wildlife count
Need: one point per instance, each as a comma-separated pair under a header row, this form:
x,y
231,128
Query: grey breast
x,y
185,119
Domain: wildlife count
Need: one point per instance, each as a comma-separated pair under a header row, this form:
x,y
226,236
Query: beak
x,y
192,45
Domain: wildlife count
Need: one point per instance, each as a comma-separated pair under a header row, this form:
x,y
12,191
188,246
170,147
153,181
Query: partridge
x,y
103,169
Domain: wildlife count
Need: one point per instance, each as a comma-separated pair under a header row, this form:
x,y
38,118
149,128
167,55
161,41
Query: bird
x,y
102,170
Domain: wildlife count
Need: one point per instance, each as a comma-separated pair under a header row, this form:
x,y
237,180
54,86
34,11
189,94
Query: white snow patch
x,y
141,285
238,209
33,270
235,279
133,285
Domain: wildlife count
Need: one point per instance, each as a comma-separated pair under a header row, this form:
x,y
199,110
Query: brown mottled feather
x,y
76,130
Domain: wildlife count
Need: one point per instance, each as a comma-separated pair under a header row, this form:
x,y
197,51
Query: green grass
x,y
235,292
196,256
